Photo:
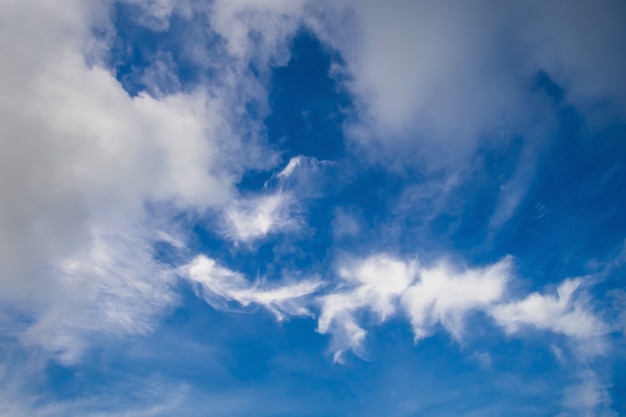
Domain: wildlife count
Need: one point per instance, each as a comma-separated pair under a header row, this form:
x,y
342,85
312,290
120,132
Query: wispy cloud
x,y
255,218
562,312
113,289
374,284
385,285
588,397
219,285
445,296
278,207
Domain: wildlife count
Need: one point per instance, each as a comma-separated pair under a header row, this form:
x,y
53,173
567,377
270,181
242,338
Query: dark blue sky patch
x,y
572,213
308,105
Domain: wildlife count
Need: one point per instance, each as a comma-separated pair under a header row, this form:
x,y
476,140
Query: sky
x,y
312,208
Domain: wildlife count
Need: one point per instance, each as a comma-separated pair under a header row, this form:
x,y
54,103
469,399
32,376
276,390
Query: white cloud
x,y
562,313
292,165
431,70
373,289
445,296
483,359
279,206
433,82
255,218
373,284
80,159
113,288
84,166
219,285
385,285
452,75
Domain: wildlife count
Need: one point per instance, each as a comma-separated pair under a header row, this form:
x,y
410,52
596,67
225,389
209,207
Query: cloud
x,y
91,177
279,206
255,218
445,296
134,398
219,285
430,70
258,31
452,75
274,210
435,83
89,174
373,284
371,290
112,289
562,313
380,284
384,285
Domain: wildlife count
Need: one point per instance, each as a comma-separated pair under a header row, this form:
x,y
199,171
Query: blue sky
x,y
311,208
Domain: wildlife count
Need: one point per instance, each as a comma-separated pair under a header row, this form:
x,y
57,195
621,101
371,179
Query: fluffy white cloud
x,y
85,170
